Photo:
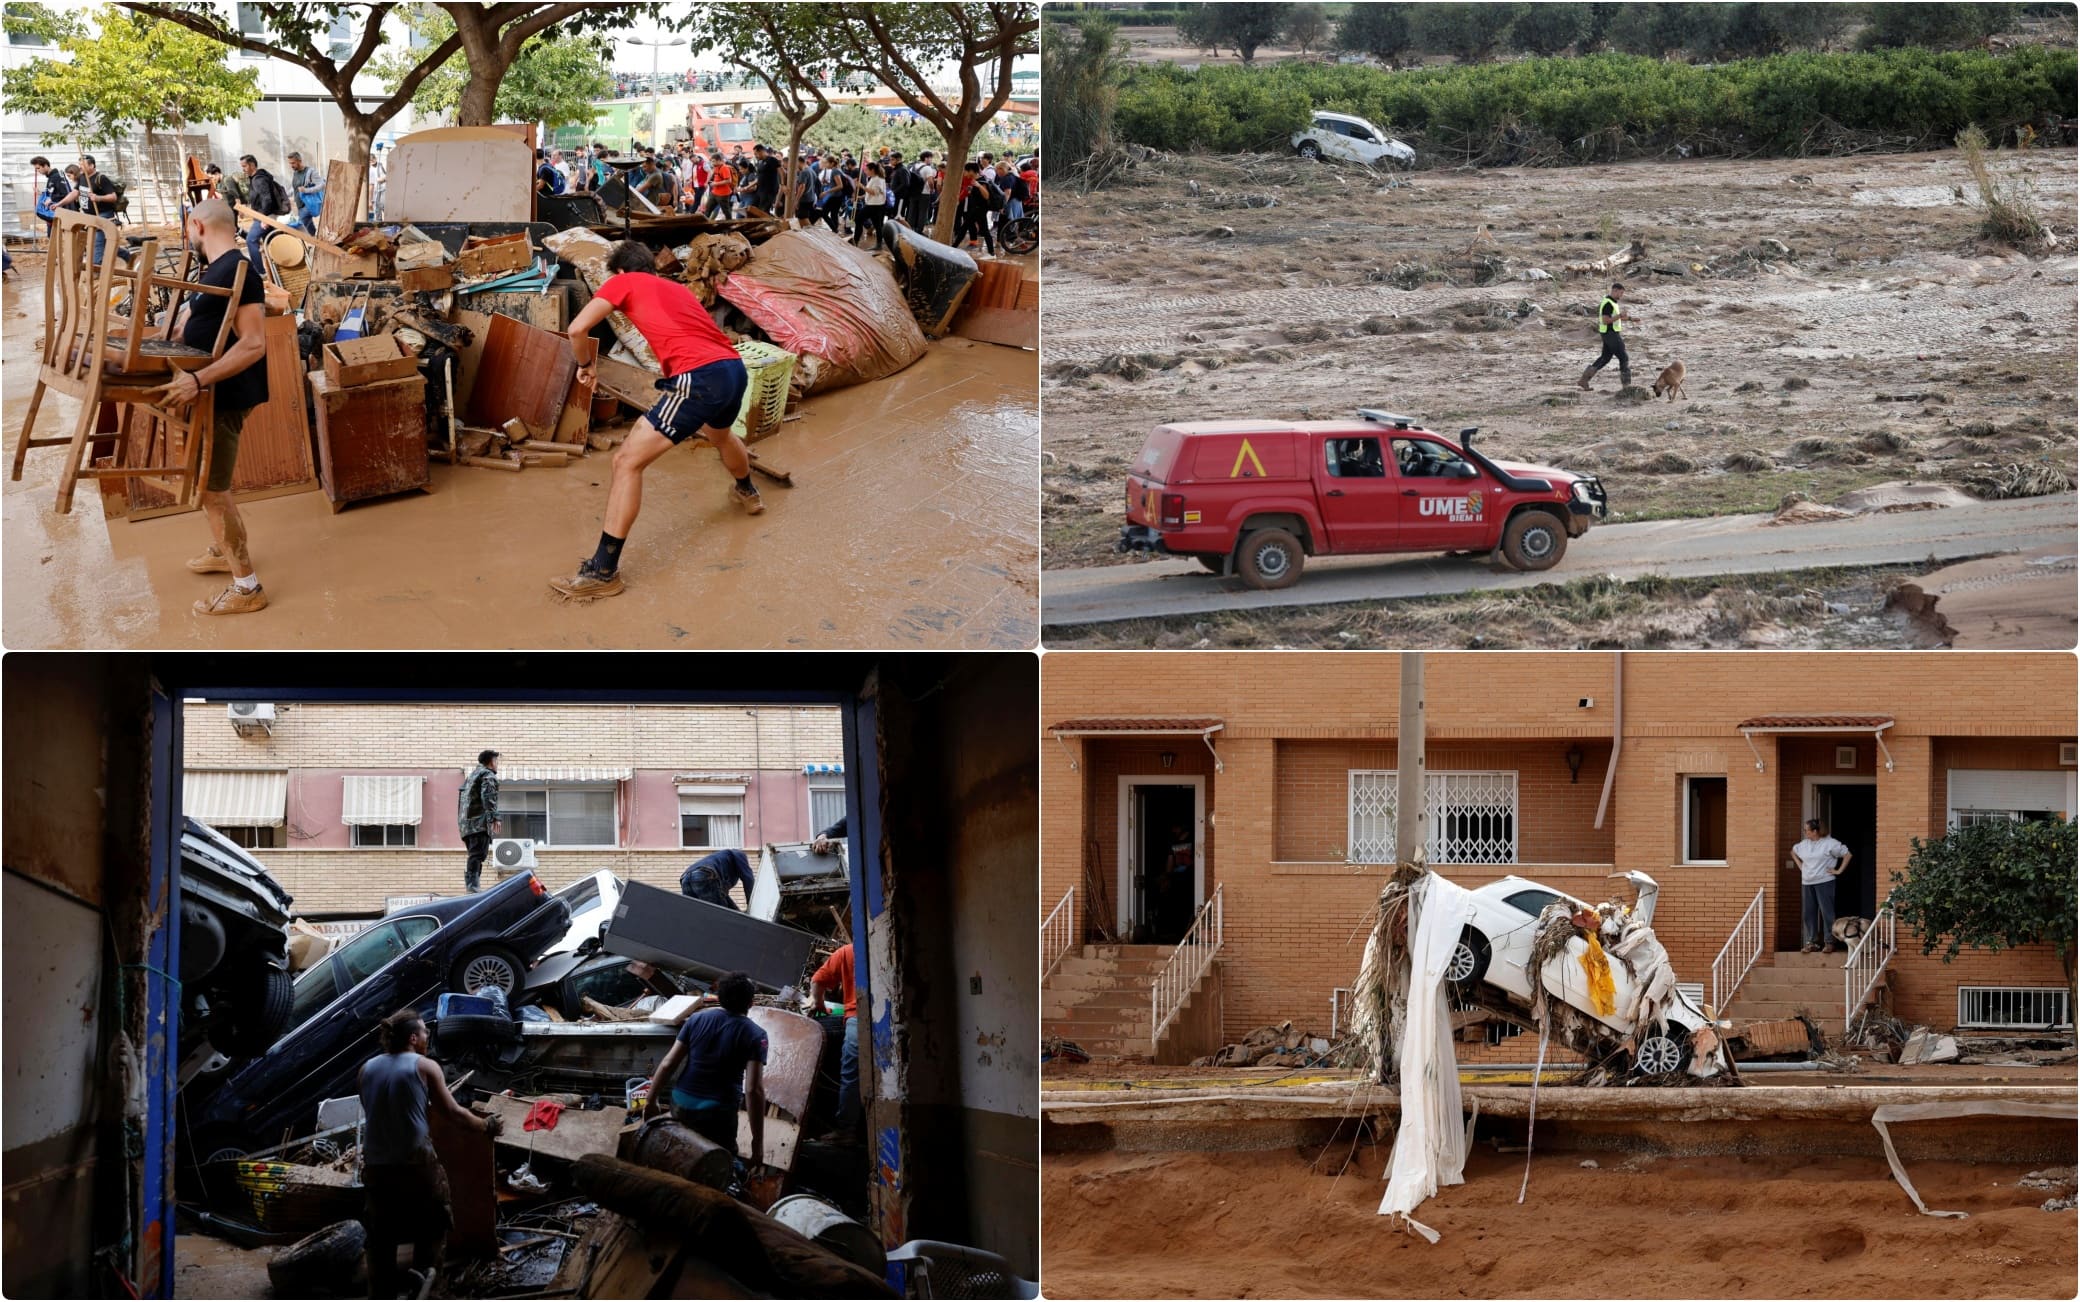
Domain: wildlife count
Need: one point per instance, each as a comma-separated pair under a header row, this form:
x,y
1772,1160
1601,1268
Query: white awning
x,y
235,798
381,801
566,773
711,789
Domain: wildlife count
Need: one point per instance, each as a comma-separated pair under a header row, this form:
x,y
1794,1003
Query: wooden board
x,y
794,1047
467,360
575,422
542,311
577,1133
999,325
343,208
465,1156
632,384
487,176
524,374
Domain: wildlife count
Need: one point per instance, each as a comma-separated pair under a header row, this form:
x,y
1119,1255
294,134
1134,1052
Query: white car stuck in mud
x,y
1495,950
1352,140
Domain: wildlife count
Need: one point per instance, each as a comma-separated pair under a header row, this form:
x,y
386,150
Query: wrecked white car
x,y
1600,962
1351,140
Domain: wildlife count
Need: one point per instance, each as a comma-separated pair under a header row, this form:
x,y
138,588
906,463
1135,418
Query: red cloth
x,y
679,329
836,973
542,1116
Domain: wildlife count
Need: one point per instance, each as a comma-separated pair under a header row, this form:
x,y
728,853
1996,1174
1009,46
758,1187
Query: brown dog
x,y
1671,382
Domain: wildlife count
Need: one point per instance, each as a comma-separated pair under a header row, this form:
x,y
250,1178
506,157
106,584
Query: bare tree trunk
x,y
958,140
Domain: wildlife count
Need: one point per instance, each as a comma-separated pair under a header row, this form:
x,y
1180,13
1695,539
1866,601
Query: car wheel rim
x,y
1462,963
1659,1056
1271,562
226,1155
487,971
1538,543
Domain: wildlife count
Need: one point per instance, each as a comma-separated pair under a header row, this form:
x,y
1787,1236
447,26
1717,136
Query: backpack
x,y
554,175
268,196
1018,189
991,195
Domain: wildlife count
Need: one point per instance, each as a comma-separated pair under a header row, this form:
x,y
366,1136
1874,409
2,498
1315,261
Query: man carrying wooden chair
x,y
240,380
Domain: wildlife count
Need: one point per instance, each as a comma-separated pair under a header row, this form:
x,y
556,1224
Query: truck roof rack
x,y
1379,417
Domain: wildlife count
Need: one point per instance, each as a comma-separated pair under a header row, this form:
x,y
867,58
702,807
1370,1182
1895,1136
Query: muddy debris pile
x,y
1274,1046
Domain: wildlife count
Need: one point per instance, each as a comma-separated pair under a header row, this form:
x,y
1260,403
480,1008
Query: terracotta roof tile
x,y
1135,725
1766,721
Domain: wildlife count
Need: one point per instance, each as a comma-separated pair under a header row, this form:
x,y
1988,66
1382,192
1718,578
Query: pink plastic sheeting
x,y
832,305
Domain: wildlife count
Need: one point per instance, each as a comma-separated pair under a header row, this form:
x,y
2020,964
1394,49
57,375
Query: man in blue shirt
x,y
709,879
717,1063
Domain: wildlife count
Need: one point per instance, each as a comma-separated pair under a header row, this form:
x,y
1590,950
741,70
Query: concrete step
x,y
1086,980
1796,978
1107,1001
1791,958
1131,966
1105,1046
1126,951
1079,1028
1822,1011
1136,1006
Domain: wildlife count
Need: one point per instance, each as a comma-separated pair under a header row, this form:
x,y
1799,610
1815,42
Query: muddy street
x,y
1269,1225
1878,339
911,524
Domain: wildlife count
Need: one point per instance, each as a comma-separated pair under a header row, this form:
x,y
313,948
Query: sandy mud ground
x,y
911,525
1166,304
1267,1225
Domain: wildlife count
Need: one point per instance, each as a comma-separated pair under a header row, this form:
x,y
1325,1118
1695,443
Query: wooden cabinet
x,y
371,438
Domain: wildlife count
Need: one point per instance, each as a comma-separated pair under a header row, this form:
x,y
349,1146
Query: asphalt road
x,y
1733,544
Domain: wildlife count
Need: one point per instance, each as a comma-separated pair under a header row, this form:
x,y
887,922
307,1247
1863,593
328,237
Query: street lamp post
x,y
656,127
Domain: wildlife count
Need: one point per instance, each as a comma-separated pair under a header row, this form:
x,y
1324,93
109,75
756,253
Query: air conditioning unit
x,y
513,853
249,718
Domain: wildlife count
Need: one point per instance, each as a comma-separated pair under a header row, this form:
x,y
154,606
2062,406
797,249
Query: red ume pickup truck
x,y
1256,498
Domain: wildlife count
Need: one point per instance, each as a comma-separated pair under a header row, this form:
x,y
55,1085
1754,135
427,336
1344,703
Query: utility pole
x,y
656,47
1409,769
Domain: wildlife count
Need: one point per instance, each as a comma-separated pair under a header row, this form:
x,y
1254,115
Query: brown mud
x,y
911,524
1166,301
1264,1224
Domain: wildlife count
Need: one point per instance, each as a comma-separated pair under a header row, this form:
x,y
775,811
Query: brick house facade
x,y
1291,755
639,789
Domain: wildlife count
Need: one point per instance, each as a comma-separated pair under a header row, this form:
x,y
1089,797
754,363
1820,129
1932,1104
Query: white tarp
x,y
1430,1143
1938,1111
387,800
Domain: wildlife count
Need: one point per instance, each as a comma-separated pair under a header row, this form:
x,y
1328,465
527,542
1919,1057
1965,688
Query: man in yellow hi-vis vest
x,y
1610,328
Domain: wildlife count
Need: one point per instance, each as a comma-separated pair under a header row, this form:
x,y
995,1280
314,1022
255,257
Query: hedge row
x,y
1766,106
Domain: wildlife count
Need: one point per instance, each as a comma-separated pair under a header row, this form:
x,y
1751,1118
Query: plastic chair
x,y
933,1269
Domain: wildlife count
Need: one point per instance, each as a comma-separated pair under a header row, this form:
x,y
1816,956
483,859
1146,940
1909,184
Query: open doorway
x,y
1848,812
1162,877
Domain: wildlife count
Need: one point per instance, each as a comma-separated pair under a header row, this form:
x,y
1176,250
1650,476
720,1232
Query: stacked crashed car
x,y
235,981
1494,956
405,960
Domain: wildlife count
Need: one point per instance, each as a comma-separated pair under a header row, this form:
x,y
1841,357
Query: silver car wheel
x,y
1659,1055
488,970
1461,966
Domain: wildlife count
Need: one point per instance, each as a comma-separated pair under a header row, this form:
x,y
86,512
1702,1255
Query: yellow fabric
x,y
1596,966
1616,322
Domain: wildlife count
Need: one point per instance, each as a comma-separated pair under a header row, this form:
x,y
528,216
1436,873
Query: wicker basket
x,y
765,398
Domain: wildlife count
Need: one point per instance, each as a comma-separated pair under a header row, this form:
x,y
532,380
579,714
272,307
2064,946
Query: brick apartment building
x,y
1271,777
349,805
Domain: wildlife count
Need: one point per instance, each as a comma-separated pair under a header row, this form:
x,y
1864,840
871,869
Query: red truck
x,y
1256,498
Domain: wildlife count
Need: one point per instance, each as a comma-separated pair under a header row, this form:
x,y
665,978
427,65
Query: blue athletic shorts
x,y
705,395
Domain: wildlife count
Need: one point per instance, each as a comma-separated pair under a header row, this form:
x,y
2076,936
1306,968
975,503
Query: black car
x,y
406,960
234,947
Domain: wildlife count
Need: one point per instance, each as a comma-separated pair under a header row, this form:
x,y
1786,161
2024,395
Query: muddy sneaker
x,y
210,562
752,503
587,586
1810,949
233,600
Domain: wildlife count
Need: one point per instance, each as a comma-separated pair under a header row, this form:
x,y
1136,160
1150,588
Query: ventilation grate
x,y
2013,1008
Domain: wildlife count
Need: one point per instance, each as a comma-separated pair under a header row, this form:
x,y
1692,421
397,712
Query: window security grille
x,y
1472,817
2013,1008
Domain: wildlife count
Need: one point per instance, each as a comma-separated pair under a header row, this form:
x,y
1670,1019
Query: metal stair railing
x,y
1058,933
1181,972
1737,956
1866,963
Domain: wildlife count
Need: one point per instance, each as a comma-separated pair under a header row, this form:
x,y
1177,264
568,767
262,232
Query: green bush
x,y
1991,885
1758,106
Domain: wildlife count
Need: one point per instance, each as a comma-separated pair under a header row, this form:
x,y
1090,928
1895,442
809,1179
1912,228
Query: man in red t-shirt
x,y
703,390
835,977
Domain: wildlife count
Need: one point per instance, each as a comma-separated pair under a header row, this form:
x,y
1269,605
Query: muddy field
x,y
1841,321
1271,1225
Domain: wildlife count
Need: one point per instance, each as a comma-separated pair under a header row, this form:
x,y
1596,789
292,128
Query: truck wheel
x,y
258,1015
325,1264
1270,559
1310,151
1534,540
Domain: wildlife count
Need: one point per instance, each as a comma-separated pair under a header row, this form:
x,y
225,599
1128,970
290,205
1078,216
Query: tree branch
x,y
216,31
514,37
409,83
371,41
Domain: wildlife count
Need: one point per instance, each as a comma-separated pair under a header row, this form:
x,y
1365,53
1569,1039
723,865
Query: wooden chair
x,y
95,358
